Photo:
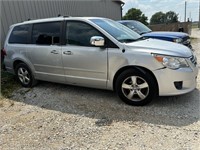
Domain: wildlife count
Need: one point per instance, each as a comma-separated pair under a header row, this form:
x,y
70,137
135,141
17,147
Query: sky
x,y
150,7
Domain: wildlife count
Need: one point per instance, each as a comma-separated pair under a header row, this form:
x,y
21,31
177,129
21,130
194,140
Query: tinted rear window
x,y
46,33
19,34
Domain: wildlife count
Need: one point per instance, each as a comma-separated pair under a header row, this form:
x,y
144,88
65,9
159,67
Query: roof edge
x,y
119,1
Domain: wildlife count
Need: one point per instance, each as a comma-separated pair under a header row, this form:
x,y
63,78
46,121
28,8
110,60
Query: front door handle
x,y
54,52
67,52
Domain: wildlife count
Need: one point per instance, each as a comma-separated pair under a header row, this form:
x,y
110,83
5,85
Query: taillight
x,y
3,52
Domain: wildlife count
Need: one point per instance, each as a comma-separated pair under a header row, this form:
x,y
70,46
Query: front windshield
x,y
117,30
138,27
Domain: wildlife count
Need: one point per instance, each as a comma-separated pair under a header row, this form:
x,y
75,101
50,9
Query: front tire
x,y
136,87
24,75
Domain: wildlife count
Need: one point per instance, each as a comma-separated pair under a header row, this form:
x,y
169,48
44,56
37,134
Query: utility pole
x,y
185,11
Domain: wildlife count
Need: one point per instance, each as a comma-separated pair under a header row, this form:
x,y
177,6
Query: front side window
x,y
79,33
19,34
46,33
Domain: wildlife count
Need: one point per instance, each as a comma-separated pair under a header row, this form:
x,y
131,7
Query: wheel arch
x,y
139,68
32,81
18,61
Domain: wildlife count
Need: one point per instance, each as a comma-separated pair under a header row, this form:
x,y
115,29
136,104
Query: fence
x,y
177,27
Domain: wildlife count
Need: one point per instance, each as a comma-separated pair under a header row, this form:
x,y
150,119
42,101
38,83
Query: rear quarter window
x,y
19,34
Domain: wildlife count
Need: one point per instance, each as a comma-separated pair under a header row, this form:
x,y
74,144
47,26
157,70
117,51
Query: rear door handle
x,y
67,52
54,52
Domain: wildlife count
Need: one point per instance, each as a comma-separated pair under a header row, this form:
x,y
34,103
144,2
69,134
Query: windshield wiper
x,y
127,40
144,32
141,38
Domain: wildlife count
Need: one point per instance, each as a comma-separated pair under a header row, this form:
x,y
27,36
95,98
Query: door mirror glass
x,y
97,41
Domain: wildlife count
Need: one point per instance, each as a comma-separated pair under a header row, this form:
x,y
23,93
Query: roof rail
x,y
65,16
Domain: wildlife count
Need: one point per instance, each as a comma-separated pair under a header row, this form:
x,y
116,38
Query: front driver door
x,y
83,63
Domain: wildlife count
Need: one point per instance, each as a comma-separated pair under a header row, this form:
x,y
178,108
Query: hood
x,y
160,47
166,34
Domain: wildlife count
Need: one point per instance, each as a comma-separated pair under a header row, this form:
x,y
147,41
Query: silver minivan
x,y
99,53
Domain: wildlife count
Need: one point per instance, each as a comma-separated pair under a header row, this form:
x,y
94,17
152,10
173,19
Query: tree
x,y
136,14
171,17
160,17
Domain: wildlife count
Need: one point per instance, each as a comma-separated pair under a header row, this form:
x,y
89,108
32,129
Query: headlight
x,y
188,40
171,62
179,40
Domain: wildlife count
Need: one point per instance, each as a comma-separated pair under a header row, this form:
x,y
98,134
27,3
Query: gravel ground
x,y
55,116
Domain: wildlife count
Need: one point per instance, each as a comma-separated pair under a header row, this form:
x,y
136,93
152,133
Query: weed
x,y
8,84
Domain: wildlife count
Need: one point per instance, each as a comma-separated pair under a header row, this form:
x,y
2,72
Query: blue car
x,y
178,37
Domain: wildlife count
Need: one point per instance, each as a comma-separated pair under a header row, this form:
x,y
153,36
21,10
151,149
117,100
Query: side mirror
x,y
97,41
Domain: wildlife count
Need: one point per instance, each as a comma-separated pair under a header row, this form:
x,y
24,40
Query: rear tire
x,y
24,75
136,87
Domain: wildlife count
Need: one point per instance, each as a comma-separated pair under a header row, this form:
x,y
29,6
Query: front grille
x,y
186,41
193,59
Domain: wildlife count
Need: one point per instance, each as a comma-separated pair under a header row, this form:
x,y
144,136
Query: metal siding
x,y
45,9
9,5
36,9
58,10
52,11
46,6
17,12
62,6
20,10
5,19
42,10
33,11
3,34
7,13
113,10
39,10
13,12
4,23
26,11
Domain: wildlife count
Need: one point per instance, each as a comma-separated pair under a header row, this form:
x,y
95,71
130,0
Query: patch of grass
x,y
8,84
193,38
194,25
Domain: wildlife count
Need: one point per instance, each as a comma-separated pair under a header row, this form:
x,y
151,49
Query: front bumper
x,y
167,78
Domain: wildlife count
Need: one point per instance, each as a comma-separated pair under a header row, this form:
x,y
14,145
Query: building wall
x,y
14,11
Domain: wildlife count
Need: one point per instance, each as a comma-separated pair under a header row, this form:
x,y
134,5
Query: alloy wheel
x,y
135,88
23,75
